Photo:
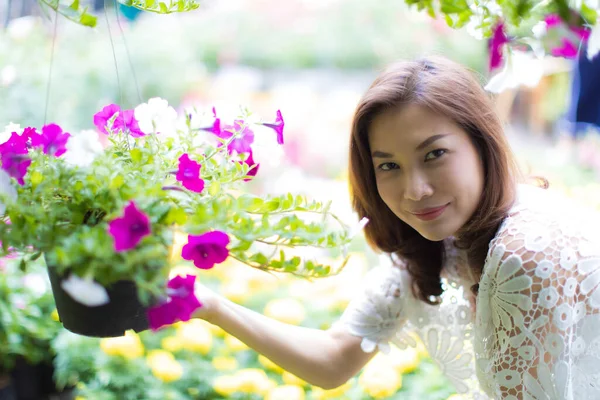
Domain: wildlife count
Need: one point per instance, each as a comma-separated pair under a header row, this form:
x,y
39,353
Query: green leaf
x,y
136,155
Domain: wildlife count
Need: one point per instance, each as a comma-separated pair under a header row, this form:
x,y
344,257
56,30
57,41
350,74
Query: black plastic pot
x,y
36,382
123,312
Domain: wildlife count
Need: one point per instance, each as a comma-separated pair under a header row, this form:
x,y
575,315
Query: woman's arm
x,y
326,359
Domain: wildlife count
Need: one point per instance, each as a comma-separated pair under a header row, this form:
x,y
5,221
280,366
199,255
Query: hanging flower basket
x,y
121,313
104,213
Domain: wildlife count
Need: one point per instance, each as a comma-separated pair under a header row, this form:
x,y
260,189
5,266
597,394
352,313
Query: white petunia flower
x,y
7,190
83,148
85,291
539,30
520,69
593,46
8,130
156,116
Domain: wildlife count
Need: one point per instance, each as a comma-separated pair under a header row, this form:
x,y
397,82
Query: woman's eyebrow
x,y
430,140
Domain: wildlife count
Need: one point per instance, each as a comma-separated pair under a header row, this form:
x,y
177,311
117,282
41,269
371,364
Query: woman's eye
x,y
387,166
432,155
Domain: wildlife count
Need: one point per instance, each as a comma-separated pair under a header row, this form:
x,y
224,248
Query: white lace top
x,y
533,332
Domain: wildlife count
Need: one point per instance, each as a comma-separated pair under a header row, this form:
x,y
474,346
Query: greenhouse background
x,y
310,59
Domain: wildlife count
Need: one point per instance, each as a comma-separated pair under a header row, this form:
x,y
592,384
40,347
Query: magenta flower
x,y
130,229
189,174
207,249
277,126
28,133
498,40
215,128
241,144
566,50
180,306
126,120
552,20
52,140
102,117
582,33
253,166
14,157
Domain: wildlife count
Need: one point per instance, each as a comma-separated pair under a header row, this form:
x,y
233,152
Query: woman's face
x,y
428,171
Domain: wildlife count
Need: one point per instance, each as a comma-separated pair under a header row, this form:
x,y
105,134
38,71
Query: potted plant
x,y
103,216
26,331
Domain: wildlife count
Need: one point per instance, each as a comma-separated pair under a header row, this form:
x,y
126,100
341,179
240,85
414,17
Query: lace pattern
x,y
535,333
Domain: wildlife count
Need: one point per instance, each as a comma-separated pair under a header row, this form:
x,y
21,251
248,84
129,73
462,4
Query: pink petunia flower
x,y
207,249
14,157
126,121
52,140
241,144
497,42
180,306
566,50
278,126
189,174
130,229
253,166
102,117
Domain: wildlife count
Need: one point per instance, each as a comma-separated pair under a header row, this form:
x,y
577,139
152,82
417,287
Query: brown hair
x,y
449,89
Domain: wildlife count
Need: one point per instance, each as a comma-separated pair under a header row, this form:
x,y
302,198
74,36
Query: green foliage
x,y
26,304
163,6
63,211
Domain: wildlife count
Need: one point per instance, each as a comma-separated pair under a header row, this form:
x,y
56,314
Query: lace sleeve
x,y
537,330
377,314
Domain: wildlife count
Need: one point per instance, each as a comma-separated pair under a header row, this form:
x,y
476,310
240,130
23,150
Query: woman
x,y
499,280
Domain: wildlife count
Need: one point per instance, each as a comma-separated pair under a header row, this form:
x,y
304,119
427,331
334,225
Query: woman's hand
x,y
210,301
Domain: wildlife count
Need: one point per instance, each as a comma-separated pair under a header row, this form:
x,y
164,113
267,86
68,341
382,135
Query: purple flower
x,y
52,140
498,40
102,117
130,229
552,20
277,126
241,144
253,166
582,33
215,128
566,50
207,249
14,157
181,304
189,174
126,120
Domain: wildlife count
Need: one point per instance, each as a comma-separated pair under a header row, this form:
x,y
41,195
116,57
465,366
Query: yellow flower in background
x,y
171,343
164,366
195,335
253,380
292,379
128,346
234,344
286,392
237,291
404,361
224,363
331,394
380,379
179,240
54,315
456,397
225,385
268,364
288,310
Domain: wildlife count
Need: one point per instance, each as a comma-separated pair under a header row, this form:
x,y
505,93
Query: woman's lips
x,y
429,214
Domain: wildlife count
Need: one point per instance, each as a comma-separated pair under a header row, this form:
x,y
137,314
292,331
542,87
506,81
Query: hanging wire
x,y
135,81
114,54
8,13
51,66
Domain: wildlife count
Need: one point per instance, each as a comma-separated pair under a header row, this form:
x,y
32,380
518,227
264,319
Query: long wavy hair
x,y
453,91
